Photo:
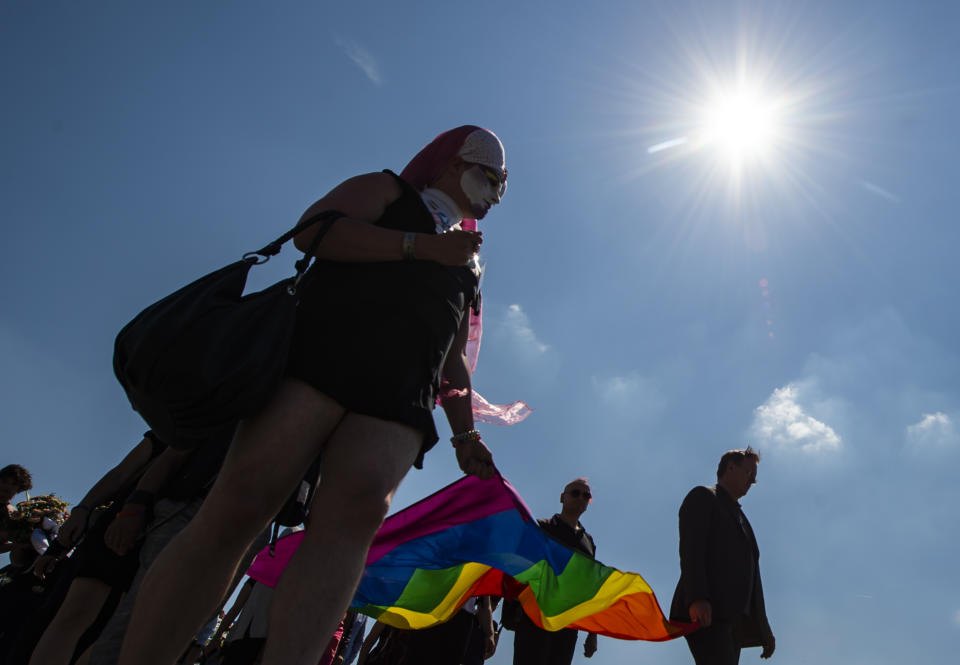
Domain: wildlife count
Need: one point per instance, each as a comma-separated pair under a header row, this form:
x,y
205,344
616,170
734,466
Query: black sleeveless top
x,y
374,336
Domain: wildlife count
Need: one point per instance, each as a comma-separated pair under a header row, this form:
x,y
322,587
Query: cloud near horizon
x,y
782,423
935,431
362,58
516,324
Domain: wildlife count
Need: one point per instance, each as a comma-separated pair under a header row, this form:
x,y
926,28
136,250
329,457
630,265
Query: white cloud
x,y
781,422
934,431
629,394
362,58
516,324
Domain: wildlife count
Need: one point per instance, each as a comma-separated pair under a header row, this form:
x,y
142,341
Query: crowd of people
x,y
141,569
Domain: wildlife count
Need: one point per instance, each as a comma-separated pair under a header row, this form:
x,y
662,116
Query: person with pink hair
x,y
383,322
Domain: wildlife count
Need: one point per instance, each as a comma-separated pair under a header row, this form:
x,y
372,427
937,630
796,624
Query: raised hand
x,y
475,459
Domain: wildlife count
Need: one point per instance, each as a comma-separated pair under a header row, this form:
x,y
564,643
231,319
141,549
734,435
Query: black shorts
x,y
375,351
99,562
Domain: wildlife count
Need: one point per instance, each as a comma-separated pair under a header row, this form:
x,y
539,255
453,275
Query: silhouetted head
x,y
576,497
467,164
13,480
737,471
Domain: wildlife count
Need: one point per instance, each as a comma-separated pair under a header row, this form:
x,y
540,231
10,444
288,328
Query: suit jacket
x,y
719,563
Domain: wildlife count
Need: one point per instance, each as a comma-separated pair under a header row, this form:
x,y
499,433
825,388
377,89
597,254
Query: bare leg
x,y
84,600
363,464
190,577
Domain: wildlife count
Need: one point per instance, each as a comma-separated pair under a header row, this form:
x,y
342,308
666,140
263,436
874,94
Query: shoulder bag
x,y
196,362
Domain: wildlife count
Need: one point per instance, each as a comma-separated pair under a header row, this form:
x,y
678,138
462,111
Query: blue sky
x,y
652,308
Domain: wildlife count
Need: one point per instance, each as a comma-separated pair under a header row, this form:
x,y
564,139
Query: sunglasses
x,y
576,494
497,180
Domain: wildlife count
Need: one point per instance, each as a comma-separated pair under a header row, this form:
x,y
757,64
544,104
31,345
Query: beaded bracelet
x,y
463,437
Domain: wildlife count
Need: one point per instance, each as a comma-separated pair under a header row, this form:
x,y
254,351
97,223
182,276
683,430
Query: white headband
x,y
483,147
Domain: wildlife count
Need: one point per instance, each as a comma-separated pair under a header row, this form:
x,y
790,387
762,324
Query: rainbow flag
x,y
477,538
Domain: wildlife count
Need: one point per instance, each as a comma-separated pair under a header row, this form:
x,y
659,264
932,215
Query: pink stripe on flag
x,y
451,506
463,501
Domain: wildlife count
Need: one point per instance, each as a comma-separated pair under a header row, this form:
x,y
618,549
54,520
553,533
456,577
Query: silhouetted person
x,y
719,583
533,645
383,320
13,480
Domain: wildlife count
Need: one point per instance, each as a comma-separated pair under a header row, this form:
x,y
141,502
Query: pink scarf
x,y
421,172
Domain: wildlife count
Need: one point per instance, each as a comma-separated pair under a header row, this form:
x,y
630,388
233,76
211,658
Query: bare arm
x,y
590,645
234,611
473,456
485,618
104,490
456,374
132,518
369,641
355,238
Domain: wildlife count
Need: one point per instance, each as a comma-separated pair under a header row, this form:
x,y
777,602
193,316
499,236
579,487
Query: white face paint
x,y
479,190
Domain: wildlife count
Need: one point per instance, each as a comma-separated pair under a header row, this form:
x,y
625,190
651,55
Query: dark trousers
x,y
535,646
445,644
714,645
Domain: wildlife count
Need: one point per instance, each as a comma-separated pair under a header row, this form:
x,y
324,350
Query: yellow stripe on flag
x,y
402,618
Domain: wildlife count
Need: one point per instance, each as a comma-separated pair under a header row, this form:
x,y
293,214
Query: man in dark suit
x,y
719,585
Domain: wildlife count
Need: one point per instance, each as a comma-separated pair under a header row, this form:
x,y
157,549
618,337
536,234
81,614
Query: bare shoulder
x,y
361,197
379,182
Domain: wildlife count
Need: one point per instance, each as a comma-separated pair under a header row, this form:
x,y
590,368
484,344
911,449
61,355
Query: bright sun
x,y
742,125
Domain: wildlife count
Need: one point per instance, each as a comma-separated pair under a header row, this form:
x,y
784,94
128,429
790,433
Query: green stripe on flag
x,y
580,581
427,588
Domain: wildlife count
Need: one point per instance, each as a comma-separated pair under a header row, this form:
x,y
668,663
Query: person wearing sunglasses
x,y
381,336
533,645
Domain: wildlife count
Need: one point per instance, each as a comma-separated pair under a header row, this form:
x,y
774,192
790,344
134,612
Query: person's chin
x,y
480,211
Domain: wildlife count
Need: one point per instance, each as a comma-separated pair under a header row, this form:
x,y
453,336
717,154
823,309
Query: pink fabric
x,y
429,163
444,510
422,170
266,569
476,318
453,505
332,646
499,414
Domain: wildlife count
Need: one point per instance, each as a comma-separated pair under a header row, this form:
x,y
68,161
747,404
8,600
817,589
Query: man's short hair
x,y
17,473
577,480
735,457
